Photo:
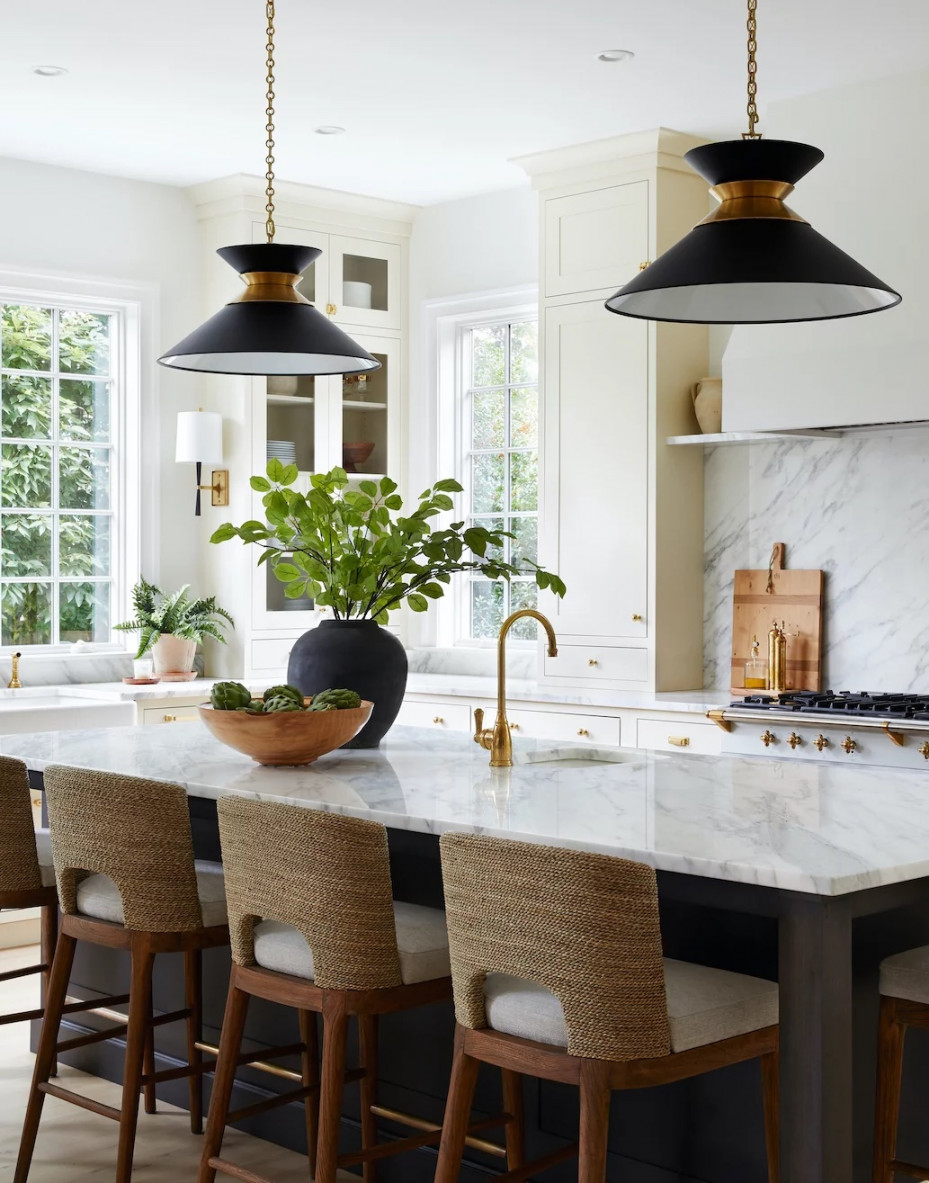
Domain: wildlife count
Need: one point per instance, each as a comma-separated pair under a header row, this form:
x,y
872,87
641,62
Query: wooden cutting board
x,y
794,597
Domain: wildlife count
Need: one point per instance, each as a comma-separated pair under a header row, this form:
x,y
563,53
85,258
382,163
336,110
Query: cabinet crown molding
x,y
659,147
244,193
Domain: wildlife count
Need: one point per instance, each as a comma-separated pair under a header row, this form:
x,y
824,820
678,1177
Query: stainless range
x,y
853,728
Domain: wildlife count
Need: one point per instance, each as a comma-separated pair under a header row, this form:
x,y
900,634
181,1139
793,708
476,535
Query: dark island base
x,y
708,1129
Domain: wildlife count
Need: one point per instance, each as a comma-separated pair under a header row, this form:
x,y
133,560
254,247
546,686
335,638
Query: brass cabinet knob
x,y
923,750
642,266
169,718
37,801
849,745
794,740
768,738
637,617
820,742
438,719
514,727
331,309
583,731
592,661
679,741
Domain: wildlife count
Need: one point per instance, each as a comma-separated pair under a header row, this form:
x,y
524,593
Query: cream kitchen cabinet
x,y
621,513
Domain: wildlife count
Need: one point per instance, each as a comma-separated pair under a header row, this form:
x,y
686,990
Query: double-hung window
x,y
60,370
500,462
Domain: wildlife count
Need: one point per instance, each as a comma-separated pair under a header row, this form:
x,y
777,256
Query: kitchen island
x,y
809,873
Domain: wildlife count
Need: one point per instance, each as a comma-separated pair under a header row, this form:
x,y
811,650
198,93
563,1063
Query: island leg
x,y
816,1089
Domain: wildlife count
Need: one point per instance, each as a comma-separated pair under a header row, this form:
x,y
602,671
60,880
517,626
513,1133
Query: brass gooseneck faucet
x,y
497,740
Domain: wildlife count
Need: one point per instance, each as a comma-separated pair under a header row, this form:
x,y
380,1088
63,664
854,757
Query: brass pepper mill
x,y
777,659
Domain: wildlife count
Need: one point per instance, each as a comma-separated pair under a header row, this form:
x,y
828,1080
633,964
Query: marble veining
x,y
812,828
857,507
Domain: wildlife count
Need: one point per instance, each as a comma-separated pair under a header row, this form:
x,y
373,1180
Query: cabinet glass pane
x,y
364,282
291,426
364,420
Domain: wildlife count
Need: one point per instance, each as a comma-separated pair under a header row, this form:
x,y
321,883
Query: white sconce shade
x,y
199,437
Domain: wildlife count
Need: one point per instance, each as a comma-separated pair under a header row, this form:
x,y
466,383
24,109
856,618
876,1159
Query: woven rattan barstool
x,y
314,927
558,973
904,1004
27,877
126,880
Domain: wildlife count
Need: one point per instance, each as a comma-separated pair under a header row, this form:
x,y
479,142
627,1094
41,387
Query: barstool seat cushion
x,y
98,896
704,1006
43,846
906,975
422,942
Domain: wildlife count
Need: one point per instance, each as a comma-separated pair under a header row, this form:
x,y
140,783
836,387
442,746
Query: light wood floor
x,y
79,1147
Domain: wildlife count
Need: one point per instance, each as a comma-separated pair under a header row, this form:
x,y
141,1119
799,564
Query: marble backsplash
x,y
857,507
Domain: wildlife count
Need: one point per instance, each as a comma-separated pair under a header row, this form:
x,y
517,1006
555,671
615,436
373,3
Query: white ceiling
x,y
436,96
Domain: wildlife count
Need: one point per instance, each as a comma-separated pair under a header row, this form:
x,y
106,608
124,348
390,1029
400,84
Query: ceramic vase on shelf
x,y
708,404
174,658
353,655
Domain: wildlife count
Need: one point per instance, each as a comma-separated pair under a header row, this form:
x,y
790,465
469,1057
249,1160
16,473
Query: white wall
x,y
67,222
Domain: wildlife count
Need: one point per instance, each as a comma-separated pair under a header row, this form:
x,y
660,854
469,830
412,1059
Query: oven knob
x,y
923,750
820,742
795,741
768,738
849,745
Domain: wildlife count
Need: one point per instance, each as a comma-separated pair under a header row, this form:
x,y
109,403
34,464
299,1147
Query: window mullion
x,y
56,435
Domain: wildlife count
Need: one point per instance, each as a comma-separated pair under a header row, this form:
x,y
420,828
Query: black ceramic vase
x,y
357,655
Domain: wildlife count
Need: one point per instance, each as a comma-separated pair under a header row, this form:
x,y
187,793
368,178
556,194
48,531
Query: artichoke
x,y
335,700
284,691
229,696
282,702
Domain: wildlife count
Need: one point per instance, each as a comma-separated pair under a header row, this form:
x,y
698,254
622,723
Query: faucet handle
x,y
478,721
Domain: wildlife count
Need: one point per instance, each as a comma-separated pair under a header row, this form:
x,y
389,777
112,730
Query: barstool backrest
x,y
19,863
133,830
584,926
326,875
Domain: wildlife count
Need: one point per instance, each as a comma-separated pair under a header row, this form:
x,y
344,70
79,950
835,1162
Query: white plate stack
x,y
283,450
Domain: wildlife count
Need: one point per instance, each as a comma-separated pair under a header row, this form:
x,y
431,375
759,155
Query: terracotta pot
x,y
173,655
708,404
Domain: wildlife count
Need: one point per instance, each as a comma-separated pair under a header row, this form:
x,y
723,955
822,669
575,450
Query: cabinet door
x,y
365,411
364,282
595,469
595,240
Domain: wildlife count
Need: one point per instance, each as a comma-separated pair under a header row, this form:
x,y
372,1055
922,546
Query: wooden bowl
x,y
286,737
354,454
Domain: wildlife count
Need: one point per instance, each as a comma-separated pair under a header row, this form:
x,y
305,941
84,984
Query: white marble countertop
x,y
806,827
106,692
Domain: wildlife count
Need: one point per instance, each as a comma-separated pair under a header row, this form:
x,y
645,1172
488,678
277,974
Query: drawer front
x,y
271,654
666,735
441,716
558,727
170,714
599,662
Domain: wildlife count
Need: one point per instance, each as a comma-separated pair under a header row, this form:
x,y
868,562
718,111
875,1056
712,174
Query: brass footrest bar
x,y
430,1136
540,1164
229,1168
272,1103
419,1123
55,1090
245,1061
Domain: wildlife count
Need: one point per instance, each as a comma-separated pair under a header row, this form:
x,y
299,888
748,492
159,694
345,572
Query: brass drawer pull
x,y
438,719
169,718
592,661
331,309
514,727
583,731
637,617
923,750
679,741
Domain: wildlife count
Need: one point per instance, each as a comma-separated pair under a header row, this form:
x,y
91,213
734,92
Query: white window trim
x,y
443,321
134,541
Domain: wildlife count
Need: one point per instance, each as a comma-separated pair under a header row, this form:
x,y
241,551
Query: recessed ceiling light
x,y
329,129
49,71
615,55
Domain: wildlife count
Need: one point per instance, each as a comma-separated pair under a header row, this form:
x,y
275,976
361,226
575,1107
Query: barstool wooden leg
x,y
45,1058
193,1000
140,1009
457,1112
49,939
148,1066
595,1120
889,1078
513,1104
770,1088
335,1034
309,1063
367,1043
230,1043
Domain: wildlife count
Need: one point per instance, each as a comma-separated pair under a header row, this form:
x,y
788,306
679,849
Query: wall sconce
x,y
200,441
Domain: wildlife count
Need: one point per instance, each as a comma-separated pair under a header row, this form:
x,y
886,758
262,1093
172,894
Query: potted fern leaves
x,y
170,627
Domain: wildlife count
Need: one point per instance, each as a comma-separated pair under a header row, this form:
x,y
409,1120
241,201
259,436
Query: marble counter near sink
x,y
809,828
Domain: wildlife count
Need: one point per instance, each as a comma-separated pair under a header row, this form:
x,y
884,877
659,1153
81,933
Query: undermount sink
x,y
576,757
54,711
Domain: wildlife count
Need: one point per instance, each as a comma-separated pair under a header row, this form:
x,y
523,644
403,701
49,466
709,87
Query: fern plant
x,y
176,615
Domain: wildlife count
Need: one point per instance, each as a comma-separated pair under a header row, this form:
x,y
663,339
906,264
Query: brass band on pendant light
x,y
270,327
753,260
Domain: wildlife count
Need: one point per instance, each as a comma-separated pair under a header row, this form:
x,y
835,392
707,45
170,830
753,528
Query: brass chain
x,y
752,108
269,126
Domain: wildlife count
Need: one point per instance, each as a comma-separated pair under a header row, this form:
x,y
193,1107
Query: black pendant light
x,y
270,327
752,260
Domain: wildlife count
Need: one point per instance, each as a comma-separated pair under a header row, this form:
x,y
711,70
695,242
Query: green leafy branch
x,y
354,550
